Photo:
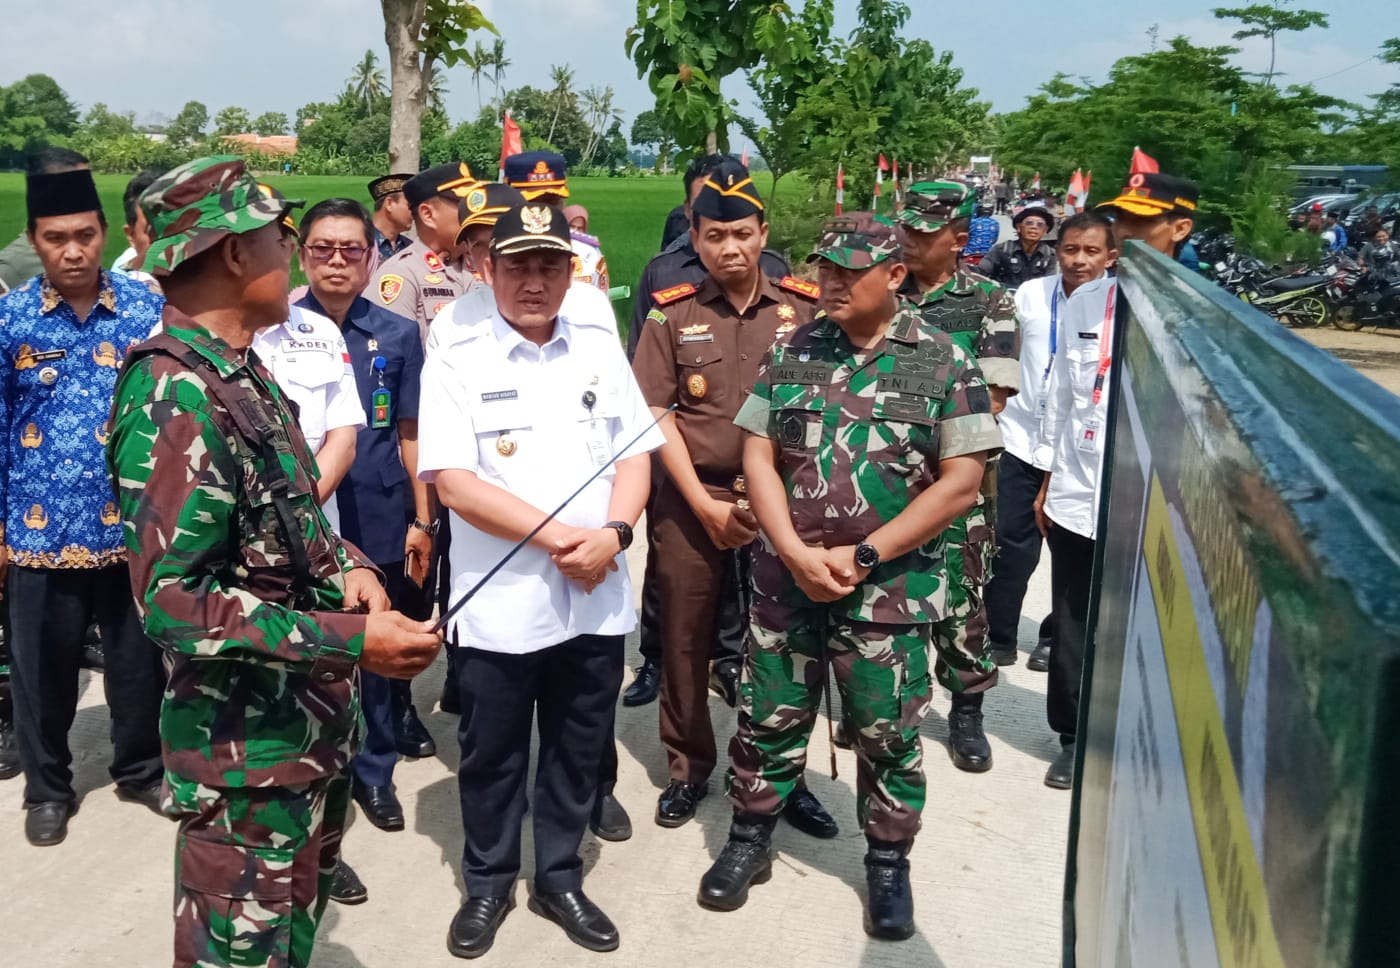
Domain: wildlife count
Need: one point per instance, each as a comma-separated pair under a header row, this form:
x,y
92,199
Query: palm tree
x,y
436,90
367,80
499,63
478,62
600,112
563,79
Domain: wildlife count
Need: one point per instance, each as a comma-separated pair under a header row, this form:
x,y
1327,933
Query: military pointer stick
x,y
471,592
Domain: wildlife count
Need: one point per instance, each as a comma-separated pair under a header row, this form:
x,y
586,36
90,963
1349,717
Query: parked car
x,y
1341,204
1388,205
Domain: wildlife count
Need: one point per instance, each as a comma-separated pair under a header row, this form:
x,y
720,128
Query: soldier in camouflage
x,y
868,433
979,316
239,578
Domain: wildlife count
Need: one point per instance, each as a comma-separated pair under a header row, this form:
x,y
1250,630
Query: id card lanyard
x,y
1089,442
380,397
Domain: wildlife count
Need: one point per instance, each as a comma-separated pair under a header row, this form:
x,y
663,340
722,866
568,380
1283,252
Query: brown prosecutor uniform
x,y
697,352
417,284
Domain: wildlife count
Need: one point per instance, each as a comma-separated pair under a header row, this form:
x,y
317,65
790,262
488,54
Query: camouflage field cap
x,y
928,206
192,207
858,241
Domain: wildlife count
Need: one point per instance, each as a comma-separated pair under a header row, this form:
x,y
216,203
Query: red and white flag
x,y
1035,183
880,170
510,143
840,188
1143,163
744,158
1088,177
894,173
1074,197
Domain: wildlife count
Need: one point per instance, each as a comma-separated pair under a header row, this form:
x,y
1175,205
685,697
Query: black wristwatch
x,y
429,529
867,556
624,533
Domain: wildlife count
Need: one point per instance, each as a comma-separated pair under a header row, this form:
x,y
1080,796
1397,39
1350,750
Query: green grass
x,y
626,214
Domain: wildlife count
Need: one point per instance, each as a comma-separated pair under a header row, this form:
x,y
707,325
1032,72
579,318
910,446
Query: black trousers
x,y
1018,551
49,611
1071,568
570,690
384,700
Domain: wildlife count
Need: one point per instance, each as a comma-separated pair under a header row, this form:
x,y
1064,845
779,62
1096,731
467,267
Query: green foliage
x,y
270,123
34,113
1263,20
1260,227
232,120
478,143
188,125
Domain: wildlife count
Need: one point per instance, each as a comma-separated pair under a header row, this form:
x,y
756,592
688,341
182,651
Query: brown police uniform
x,y
417,284
697,352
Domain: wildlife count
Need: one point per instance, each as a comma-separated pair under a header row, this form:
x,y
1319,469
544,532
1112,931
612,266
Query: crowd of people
x,y
278,509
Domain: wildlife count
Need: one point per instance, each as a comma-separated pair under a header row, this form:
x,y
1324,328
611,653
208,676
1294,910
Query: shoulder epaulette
x,y
792,284
664,297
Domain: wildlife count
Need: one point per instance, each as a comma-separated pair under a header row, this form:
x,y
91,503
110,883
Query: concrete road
x,y
987,868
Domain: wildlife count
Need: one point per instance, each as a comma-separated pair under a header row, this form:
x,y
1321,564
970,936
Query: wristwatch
x,y
624,533
867,556
429,529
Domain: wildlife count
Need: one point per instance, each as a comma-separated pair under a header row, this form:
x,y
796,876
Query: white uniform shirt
x,y
1020,420
308,358
513,413
1074,428
589,266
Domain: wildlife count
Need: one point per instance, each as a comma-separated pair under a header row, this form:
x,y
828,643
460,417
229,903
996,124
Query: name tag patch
x,y
912,384
307,346
1092,336
496,395
699,338
808,374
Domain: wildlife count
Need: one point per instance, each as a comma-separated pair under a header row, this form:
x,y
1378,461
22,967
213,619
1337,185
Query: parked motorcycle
x,y
1366,298
1297,300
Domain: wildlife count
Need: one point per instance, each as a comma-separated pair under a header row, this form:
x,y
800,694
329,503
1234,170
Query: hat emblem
x,y
535,219
1137,180
476,201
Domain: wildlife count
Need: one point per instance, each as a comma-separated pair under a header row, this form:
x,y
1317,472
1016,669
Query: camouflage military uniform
x,y
980,318
860,437
239,578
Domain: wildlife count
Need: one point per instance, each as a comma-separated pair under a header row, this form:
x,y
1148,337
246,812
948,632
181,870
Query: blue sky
x,y
267,55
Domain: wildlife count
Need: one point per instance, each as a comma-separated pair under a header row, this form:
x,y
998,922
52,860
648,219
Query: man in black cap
x,y
428,274
1155,208
542,176
1026,257
18,260
63,336
679,265
701,351
392,216
516,413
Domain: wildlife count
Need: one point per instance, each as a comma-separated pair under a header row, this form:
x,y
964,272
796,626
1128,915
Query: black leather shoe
x,y
148,796
380,806
451,701
9,752
724,682
645,687
411,737
889,903
1040,657
747,859
1061,772
1003,655
805,812
967,742
610,820
473,929
580,918
46,824
346,886
676,805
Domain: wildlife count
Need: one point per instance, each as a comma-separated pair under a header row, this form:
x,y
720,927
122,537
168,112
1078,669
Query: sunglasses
x,y
324,252
1033,223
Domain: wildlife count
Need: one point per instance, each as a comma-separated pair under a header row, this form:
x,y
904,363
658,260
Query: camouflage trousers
x,y
969,667
253,871
882,672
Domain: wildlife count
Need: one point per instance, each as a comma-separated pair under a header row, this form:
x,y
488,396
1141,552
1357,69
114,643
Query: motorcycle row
x,y
1338,291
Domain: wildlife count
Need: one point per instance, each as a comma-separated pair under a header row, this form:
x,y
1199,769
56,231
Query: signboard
x,y
1239,750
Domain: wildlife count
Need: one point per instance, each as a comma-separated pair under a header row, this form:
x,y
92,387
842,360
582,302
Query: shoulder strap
x,y
260,428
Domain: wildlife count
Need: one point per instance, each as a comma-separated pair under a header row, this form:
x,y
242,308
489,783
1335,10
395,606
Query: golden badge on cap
x,y
697,386
476,201
535,219
504,445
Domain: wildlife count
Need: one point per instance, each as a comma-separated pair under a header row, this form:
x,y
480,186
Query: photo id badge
x,y
379,405
599,445
1089,439
1040,405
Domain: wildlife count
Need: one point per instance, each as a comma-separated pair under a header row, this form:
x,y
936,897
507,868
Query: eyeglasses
x,y
1033,223
324,252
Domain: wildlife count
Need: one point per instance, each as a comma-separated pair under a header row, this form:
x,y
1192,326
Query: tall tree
x,y
367,81
188,126
270,123
421,33
563,80
1264,20
232,120
499,63
478,61
39,95
600,114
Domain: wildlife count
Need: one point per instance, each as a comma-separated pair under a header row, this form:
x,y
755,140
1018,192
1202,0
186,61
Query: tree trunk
x,y
712,143
403,23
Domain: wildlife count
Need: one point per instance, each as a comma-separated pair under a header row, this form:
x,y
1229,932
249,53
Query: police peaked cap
x,y
728,194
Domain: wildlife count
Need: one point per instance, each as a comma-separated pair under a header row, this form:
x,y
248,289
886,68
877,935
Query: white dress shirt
x,y
308,358
515,414
584,305
1075,425
1020,419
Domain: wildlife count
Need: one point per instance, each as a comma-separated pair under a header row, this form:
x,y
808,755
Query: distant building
x,y
276,144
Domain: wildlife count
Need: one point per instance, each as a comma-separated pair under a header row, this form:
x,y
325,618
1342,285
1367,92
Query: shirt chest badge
x,y
36,518
696,386
105,355
505,445
31,437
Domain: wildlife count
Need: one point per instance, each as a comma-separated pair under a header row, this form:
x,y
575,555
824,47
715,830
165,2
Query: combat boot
x,y
889,906
9,749
967,741
746,859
